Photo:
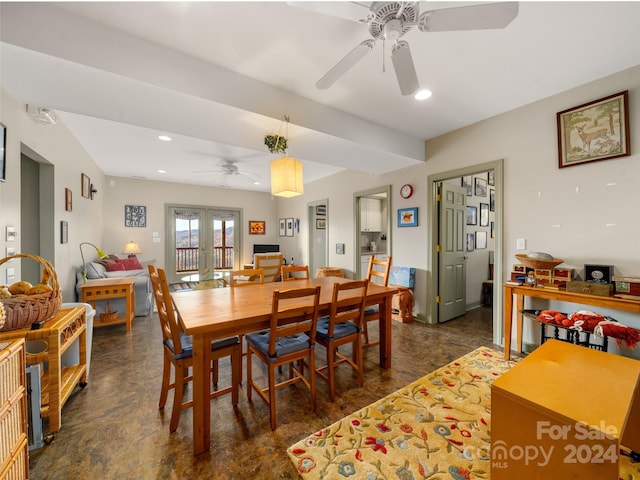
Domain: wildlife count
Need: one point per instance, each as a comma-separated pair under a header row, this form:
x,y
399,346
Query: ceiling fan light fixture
x,y
423,94
164,138
286,177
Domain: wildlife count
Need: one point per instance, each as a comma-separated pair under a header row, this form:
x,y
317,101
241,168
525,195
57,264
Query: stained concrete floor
x,y
112,429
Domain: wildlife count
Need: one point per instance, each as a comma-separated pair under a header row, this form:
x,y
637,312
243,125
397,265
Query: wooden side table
x,y
56,336
108,288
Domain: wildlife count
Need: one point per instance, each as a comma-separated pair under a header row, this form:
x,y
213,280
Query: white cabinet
x,y
370,215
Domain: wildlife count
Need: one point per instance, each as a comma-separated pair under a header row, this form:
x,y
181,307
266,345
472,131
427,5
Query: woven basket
x,y
22,311
538,263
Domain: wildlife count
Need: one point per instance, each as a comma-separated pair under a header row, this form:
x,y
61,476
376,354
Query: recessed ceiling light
x,y
423,94
256,183
162,171
164,138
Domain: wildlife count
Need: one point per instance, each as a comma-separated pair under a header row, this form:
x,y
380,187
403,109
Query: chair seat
x,y
187,345
371,310
284,345
339,330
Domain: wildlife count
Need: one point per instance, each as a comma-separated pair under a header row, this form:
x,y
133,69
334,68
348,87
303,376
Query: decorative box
x,y
627,285
590,288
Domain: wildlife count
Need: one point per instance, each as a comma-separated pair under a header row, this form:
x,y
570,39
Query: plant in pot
x,y
276,143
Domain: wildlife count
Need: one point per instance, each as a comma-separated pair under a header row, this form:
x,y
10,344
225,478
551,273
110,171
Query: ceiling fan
x,y
230,169
390,21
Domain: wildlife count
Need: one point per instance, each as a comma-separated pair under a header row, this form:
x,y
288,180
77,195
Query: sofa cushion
x,y
96,270
132,263
115,266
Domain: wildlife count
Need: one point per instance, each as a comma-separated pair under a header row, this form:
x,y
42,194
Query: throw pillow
x,y
132,263
95,270
115,266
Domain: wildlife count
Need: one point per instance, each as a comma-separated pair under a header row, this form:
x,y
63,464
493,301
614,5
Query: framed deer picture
x,y
594,131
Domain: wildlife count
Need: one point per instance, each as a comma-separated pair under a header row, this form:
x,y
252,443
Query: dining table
x,y
211,314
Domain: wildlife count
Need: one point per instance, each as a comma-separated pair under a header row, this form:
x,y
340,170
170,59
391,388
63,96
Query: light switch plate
x,y
521,244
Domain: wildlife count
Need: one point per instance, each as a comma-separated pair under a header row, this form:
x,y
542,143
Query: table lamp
x,y
131,248
100,253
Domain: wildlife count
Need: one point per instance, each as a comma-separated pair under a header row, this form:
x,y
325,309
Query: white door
x,y
452,256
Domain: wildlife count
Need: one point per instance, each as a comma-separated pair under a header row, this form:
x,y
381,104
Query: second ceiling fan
x,y
390,21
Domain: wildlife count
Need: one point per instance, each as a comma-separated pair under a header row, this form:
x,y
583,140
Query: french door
x,y
201,241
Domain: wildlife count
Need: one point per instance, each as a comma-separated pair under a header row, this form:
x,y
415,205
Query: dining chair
x,y
290,338
248,276
341,327
178,352
294,272
271,263
378,273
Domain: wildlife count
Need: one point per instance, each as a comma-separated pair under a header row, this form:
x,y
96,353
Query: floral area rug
x,y
437,428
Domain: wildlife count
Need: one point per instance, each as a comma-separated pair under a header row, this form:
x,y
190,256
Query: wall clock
x,y
406,191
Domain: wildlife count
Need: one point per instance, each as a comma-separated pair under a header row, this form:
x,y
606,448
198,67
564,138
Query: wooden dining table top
x,y
220,312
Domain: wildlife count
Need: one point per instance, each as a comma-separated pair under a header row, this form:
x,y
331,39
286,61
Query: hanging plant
x,y
276,143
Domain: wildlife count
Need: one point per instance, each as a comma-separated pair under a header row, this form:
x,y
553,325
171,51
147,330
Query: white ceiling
x,y
218,76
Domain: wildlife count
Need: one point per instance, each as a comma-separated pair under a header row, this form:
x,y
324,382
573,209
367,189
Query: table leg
x,y
201,392
508,315
519,308
384,327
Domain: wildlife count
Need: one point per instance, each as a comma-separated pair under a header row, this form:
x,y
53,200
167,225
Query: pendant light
x,y
286,172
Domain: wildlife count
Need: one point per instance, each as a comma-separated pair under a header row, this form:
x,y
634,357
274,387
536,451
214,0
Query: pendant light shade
x,y
286,177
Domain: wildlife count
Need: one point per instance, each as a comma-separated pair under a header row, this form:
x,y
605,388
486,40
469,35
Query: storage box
x,y
590,288
627,285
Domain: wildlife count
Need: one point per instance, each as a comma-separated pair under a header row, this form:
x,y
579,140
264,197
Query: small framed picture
x,y
135,215
492,200
339,248
257,227
282,227
86,185
321,209
491,178
480,187
289,227
471,242
408,217
321,223
481,240
472,215
68,201
484,214
493,229
64,231
466,183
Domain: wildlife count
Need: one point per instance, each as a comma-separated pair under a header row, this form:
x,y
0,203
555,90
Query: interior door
x,y
452,256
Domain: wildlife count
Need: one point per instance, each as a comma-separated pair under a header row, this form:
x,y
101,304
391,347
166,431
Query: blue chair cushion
x,y
339,330
187,345
284,345
371,310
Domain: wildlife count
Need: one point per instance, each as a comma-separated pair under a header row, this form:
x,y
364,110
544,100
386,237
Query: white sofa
x,y
142,289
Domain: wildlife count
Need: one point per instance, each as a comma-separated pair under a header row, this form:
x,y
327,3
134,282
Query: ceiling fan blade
x,y
405,70
340,68
355,11
472,17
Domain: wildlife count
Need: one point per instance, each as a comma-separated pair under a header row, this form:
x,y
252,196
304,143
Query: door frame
x,y
311,216
432,241
356,214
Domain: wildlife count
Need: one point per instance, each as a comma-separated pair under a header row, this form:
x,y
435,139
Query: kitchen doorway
x,y
372,234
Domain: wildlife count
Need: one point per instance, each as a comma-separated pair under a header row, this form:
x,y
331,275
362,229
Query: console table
x,y
521,291
107,288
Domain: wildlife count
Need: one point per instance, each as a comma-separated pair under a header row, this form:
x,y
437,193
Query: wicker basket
x,y
24,310
538,263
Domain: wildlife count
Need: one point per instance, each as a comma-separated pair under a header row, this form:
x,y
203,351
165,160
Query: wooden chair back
x,y
379,270
294,311
294,272
248,276
271,263
166,311
347,304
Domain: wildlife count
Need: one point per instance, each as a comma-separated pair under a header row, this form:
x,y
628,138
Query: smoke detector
x,y
42,115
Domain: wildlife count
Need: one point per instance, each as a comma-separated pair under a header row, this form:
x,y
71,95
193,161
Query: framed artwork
x,y
3,154
493,229
594,131
472,215
321,209
135,215
492,200
86,185
480,187
408,217
481,240
339,248
289,227
257,227
484,214
68,201
282,227
491,178
467,183
321,223
64,231
471,242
